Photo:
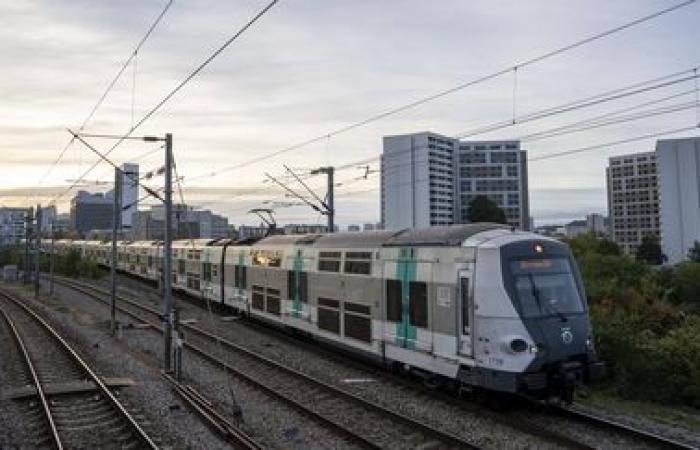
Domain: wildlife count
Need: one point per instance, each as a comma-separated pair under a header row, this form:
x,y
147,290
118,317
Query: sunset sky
x,y
310,67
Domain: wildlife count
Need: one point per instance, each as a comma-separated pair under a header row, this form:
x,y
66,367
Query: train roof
x,y
444,236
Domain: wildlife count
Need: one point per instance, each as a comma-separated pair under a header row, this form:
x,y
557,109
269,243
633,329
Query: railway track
x,y
342,411
75,409
651,439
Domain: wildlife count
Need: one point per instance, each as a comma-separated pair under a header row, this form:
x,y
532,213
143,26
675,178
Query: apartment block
x,y
429,179
633,199
679,186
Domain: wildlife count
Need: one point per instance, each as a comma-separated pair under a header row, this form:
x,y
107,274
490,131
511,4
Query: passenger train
x,y
482,306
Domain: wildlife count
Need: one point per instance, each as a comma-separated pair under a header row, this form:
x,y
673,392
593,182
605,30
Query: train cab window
x,y
418,304
464,288
329,262
297,285
393,300
358,262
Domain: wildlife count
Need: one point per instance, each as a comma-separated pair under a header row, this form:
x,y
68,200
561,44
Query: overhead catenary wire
x,y
109,88
178,87
446,92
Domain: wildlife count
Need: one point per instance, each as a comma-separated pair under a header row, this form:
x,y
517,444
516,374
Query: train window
x,y
267,258
181,266
258,297
297,287
358,262
418,304
393,300
329,315
206,271
329,261
464,286
239,279
358,327
357,308
273,303
215,270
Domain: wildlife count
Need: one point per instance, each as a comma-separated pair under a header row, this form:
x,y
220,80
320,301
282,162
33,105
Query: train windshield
x,y
545,287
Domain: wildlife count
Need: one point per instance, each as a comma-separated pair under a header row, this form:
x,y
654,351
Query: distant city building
x,y
597,223
247,231
48,216
61,223
305,228
369,227
556,231
12,225
91,211
633,199
429,179
187,222
576,227
679,185
353,228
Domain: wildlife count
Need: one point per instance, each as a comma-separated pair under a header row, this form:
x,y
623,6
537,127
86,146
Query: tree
x,y
694,252
481,209
649,251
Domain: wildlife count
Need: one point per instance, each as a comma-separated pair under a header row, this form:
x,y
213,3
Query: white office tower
x,y
633,199
429,179
679,185
417,181
130,194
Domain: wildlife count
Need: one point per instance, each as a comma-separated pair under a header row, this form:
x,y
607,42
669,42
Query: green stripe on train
x,y
297,267
406,271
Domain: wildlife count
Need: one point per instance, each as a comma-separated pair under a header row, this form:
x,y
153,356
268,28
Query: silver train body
x,y
480,305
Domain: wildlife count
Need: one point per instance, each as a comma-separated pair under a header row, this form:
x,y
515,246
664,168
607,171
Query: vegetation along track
x,y
75,409
514,421
361,421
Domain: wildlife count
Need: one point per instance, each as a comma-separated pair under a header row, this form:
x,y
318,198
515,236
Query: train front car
x,y
532,335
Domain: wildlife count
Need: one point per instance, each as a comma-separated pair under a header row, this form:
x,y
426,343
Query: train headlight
x,y
518,345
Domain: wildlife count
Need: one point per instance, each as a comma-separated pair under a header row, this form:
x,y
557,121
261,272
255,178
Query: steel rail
x,y
443,436
649,437
573,414
232,433
138,430
56,439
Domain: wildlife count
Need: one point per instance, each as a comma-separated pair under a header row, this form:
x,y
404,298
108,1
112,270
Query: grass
x,y
680,415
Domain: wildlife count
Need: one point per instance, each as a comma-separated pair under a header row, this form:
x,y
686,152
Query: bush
x,y
645,322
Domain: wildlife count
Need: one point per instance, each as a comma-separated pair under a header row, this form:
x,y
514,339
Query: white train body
x,y
479,304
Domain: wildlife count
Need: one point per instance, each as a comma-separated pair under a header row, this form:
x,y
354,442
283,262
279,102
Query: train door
x,y
406,302
465,281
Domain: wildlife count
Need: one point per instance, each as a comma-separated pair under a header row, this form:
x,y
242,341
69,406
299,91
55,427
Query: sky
x,y
310,67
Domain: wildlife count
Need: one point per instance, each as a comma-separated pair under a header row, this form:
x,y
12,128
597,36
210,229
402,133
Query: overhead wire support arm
x,y
104,158
323,203
294,193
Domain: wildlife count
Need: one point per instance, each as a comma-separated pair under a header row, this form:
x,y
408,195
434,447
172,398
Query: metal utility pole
x,y
168,254
330,210
27,237
51,257
37,252
116,215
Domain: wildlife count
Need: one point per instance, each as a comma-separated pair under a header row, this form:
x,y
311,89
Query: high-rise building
x,y
417,181
497,170
679,185
633,199
91,211
187,222
429,179
12,225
